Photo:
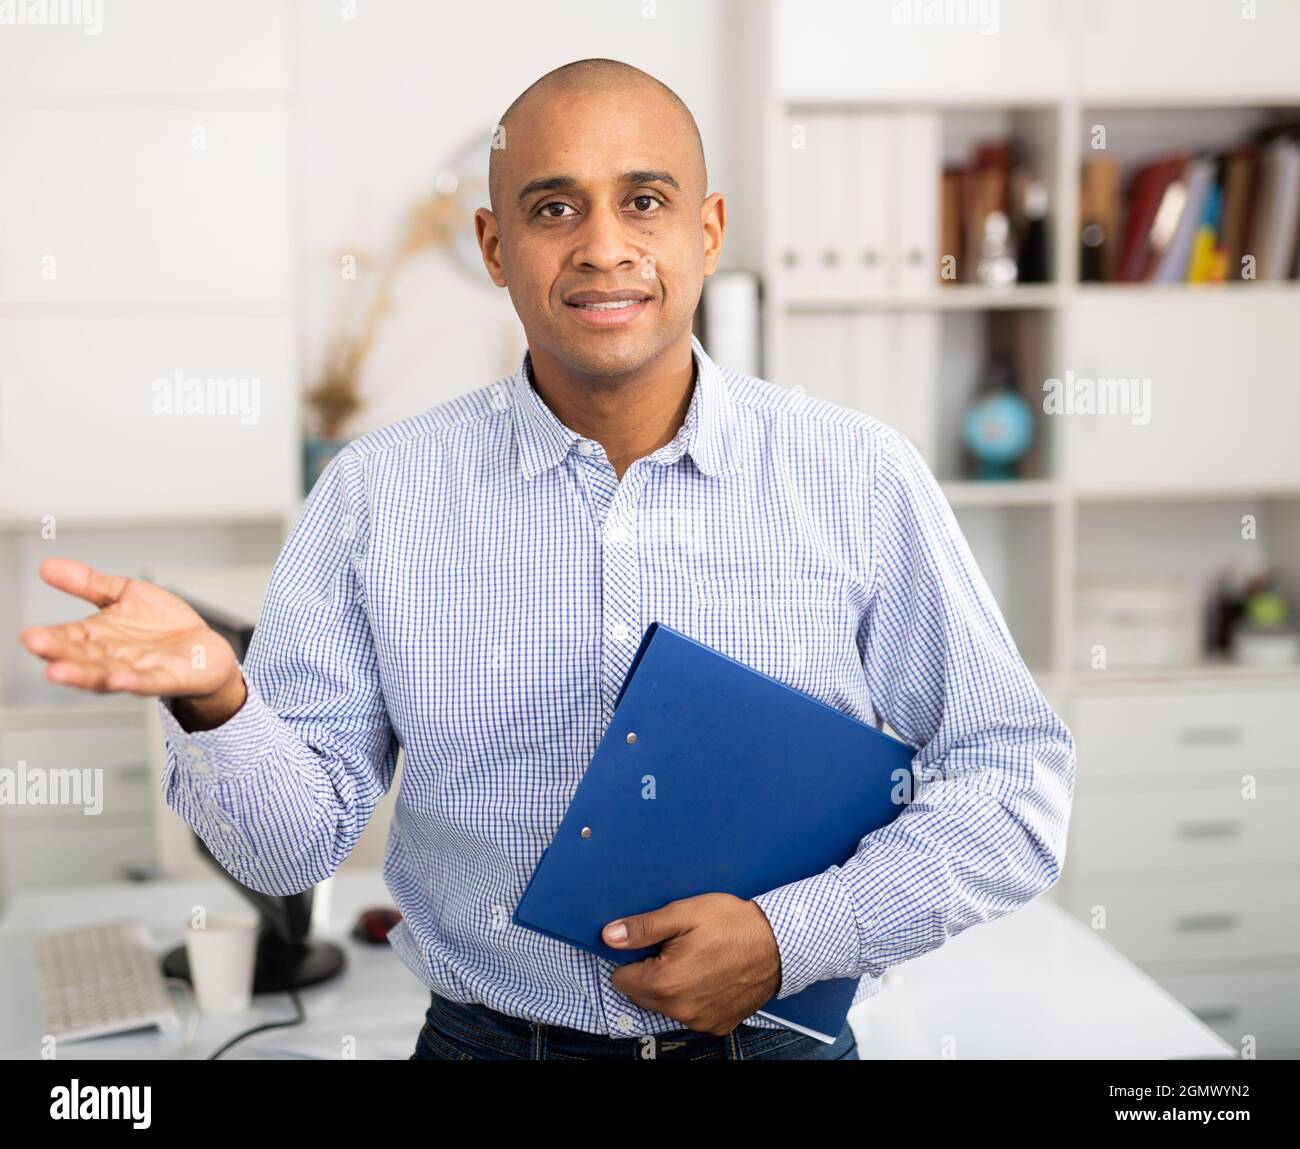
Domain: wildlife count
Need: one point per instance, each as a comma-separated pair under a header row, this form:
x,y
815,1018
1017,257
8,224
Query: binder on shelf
x,y
713,777
819,354
873,254
920,171
818,156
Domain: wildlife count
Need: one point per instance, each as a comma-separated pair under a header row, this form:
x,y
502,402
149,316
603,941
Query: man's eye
x,y
549,214
650,199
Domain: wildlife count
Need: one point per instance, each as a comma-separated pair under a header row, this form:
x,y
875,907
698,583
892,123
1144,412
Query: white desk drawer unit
x,y
1178,830
1192,921
122,786
1165,735
92,818
1200,884
1263,1004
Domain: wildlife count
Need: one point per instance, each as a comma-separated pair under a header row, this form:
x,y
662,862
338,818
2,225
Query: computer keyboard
x,y
101,979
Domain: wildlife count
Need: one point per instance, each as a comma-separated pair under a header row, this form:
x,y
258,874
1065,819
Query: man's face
x,y
602,235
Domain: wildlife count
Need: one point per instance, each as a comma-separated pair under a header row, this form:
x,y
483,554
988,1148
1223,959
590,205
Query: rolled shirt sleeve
x,y
993,776
281,792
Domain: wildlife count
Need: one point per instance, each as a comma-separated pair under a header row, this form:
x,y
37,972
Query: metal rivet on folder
x,y
631,737
586,831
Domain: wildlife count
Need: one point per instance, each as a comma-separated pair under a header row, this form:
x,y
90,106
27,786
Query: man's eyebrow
x,y
568,183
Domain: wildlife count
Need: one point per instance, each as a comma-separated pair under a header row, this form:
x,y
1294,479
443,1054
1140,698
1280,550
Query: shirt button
x,y
618,533
584,448
226,827
619,631
624,1022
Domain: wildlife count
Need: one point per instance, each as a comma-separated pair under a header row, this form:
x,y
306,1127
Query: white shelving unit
x,y
156,195
1170,858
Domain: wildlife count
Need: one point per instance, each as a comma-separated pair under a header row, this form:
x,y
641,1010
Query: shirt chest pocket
x,y
797,630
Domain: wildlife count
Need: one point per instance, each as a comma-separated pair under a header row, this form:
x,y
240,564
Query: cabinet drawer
x,y
1177,830
1196,732
121,752
1194,921
1166,369
50,856
1262,1003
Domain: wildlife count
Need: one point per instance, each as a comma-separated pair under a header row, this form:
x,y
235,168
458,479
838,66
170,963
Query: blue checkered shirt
x,y
470,585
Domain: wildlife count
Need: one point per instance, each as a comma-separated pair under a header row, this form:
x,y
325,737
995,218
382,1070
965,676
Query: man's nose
x,y
603,241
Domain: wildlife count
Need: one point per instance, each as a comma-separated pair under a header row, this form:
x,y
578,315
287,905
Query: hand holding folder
x,y
712,777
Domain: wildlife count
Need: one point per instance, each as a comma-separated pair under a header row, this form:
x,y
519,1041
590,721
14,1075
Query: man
x,y
472,584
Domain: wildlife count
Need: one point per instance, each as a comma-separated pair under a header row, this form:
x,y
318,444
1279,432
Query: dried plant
x,y
430,224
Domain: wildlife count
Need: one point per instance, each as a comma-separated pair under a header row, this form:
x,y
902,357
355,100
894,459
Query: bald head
x,y
586,79
601,226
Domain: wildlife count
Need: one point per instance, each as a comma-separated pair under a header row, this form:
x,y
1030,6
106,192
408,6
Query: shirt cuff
x,y
233,748
815,930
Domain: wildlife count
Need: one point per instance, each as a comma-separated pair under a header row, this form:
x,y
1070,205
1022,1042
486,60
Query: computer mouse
x,y
372,925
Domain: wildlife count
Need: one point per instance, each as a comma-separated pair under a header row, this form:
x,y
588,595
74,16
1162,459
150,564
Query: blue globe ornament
x,y
997,430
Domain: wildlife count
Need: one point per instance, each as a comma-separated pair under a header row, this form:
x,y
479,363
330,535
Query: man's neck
x,y
631,418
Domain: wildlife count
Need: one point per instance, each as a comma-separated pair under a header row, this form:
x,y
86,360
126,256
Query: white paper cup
x,y
222,957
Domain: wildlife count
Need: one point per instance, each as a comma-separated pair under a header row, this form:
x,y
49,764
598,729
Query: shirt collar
x,y
707,433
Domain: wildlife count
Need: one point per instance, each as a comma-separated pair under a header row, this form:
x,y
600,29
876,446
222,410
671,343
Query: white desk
x,y
1036,984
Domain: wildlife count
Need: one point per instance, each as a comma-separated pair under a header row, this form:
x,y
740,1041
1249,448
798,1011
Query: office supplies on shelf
x,y
713,777
1129,623
1031,253
101,979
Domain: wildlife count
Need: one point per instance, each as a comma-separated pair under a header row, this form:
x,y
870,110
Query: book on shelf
x,y
1195,216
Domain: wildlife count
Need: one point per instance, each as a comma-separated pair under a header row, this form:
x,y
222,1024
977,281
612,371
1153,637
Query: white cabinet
x,y
178,205
104,391
848,49
1183,848
1197,49
1179,396
88,789
112,49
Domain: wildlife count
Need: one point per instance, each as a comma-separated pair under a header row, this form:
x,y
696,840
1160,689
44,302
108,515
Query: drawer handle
x,y
1200,831
1203,923
1209,735
1217,1016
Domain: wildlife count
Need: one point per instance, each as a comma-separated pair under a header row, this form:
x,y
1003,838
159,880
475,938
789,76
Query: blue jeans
x,y
456,1031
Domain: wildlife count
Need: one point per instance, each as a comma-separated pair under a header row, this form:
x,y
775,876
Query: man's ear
x,y
713,220
489,244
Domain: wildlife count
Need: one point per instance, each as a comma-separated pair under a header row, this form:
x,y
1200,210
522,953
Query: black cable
x,y
298,1019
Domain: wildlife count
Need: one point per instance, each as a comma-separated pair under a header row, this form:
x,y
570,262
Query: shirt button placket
x,y
620,586
621,611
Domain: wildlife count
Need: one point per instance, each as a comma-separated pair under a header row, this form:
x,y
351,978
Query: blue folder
x,y
734,783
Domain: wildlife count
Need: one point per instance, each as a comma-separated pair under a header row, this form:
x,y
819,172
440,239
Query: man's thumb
x,y
640,930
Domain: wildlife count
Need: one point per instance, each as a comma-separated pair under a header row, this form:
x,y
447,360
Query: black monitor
x,y
287,957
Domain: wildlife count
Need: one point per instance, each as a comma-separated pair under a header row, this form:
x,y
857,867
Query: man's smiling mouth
x,y
608,308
